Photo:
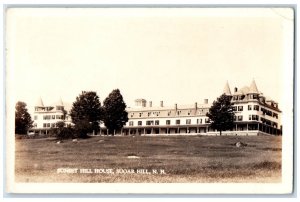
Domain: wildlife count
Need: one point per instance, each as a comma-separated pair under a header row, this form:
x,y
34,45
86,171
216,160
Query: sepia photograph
x,y
149,100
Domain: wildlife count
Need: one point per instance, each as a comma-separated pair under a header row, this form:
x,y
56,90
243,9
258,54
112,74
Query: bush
x,y
62,132
65,133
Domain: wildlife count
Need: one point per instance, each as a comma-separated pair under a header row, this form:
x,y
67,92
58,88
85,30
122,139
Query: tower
x,y
39,105
253,92
226,90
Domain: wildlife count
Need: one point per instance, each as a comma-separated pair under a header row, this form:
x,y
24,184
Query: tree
x,y
22,118
82,128
86,109
115,116
221,114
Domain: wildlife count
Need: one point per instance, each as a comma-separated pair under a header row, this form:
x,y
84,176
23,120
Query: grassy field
x,y
176,159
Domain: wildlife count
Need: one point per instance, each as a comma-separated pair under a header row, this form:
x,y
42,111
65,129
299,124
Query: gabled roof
x,y
39,103
227,89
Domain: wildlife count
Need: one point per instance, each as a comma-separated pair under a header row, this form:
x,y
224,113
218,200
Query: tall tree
x,y
115,115
221,114
86,109
22,118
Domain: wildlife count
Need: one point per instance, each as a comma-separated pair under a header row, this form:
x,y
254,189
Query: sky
x,y
175,55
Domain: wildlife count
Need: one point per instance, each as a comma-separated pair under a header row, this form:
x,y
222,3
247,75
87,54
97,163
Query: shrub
x,y
65,133
62,132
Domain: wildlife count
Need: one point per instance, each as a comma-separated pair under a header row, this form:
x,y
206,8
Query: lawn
x,y
164,159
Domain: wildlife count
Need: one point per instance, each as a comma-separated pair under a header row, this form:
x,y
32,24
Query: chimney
x,y
205,101
235,89
196,105
150,103
175,106
161,103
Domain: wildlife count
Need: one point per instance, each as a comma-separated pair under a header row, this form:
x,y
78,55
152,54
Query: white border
x,y
157,188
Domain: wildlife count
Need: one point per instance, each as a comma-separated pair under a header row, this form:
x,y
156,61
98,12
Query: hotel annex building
x,y
254,115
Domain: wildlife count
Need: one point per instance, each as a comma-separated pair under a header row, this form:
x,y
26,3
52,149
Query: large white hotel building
x,y
254,115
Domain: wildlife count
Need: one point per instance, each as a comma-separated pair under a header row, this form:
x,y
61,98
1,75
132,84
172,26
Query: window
x,y
48,125
156,122
253,117
44,125
249,107
207,120
148,123
199,121
140,114
241,97
234,118
178,122
188,121
256,107
53,125
240,108
169,113
53,116
234,108
240,118
59,117
168,122
275,115
47,117
267,112
130,123
35,117
139,123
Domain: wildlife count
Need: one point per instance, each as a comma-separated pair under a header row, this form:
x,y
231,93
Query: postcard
x,y
178,100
